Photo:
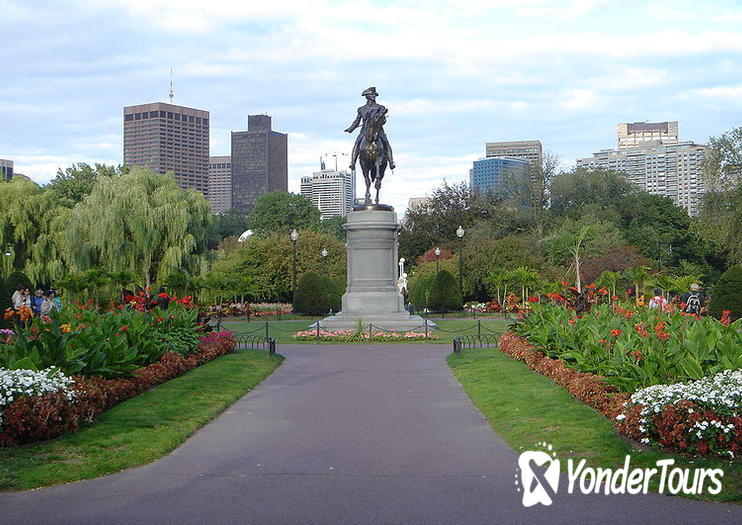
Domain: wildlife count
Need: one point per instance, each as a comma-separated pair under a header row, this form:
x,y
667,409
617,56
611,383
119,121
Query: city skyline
x,y
563,75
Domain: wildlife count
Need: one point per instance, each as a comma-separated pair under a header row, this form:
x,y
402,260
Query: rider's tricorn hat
x,y
370,91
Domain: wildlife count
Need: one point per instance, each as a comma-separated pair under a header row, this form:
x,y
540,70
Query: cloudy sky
x,y
453,75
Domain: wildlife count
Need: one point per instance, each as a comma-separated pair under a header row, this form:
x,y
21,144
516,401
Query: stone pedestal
x,y
372,296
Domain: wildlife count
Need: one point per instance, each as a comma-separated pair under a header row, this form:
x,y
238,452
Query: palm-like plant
x,y
497,280
609,280
681,284
637,275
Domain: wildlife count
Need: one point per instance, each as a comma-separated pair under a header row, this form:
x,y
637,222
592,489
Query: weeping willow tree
x,y
143,223
32,226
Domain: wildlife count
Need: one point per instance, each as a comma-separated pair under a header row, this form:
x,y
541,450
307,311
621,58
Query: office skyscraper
x,y
259,162
333,192
489,174
166,137
661,166
6,169
530,150
220,183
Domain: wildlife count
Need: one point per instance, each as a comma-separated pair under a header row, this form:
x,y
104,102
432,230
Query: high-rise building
x,y
332,191
489,174
673,169
220,183
166,137
530,150
259,162
6,169
635,134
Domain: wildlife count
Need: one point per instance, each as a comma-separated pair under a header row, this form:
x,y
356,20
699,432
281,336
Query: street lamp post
x,y
294,237
437,256
401,266
324,261
460,234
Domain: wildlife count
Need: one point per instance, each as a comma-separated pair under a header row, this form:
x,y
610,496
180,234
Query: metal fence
x,y
257,342
474,341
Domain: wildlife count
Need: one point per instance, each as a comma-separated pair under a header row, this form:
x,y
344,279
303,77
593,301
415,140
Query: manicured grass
x,y
524,408
139,430
283,331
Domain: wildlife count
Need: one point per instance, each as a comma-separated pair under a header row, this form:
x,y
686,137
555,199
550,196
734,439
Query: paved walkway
x,y
353,434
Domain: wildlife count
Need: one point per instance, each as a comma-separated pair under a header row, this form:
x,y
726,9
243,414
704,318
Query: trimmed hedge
x,y
444,295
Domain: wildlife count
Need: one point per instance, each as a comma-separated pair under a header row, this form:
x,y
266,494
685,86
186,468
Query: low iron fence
x,y
474,341
257,342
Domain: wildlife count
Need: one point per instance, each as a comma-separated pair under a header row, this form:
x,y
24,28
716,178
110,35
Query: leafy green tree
x,y
637,276
523,278
141,222
227,224
575,239
76,182
282,212
444,295
333,226
728,293
314,295
609,280
418,291
265,262
595,192
435,223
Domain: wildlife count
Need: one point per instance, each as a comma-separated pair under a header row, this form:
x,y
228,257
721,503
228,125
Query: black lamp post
x,y
324,261
437,256
460,234
294,237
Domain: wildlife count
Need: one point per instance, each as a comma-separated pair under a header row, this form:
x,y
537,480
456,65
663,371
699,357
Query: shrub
x,y
444,294
313,294
336,286
418,292
728,294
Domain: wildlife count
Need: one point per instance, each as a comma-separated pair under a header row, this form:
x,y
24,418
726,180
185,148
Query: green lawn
x,y
139,430
284,331
524,408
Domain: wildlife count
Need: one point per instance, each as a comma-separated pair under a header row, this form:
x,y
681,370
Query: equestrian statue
x,y
371,147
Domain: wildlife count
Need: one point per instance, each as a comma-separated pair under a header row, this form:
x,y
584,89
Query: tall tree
x,y
76,182
596,192
720,218
141,222
279,211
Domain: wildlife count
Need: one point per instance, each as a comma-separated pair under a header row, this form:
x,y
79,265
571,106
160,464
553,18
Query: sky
x,y
453,75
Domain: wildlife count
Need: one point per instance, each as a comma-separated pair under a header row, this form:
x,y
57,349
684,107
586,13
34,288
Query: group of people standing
x,y
691,302
40,303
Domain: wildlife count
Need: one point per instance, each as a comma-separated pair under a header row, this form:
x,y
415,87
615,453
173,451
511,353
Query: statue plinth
x,y
372,296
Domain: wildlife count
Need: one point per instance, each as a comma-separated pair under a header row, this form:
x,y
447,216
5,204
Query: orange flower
x,y
572,322
8,313
25,313
616,332
66,328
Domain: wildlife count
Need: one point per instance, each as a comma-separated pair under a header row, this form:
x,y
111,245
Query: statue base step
x,y
397,321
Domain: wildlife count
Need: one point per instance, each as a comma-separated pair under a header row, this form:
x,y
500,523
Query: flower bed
x,y
358,335
47,408
635,348
701,417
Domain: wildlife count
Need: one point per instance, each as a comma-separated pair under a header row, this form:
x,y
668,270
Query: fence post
x,y
370,332
317,329
266,330
272,347
479,328
426,328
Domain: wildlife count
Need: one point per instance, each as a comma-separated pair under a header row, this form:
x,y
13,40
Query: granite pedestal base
x,y
372,296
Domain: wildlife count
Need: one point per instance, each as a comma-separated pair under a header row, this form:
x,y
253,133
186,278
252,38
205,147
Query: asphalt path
x,y
342,434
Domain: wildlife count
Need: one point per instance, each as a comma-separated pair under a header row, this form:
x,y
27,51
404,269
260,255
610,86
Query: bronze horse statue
x,y
372,154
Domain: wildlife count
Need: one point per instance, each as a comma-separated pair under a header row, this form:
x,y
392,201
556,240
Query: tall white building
x,y
333,192
661,166
220,183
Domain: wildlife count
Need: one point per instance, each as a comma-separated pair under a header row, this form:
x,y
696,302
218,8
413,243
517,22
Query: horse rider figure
x,y
363,111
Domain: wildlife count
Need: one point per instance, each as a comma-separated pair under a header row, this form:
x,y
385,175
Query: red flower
x,y
124,328
589,286
533,299
616,332
163,296
601,341
603,291
726,317
572,322
172,317
637,355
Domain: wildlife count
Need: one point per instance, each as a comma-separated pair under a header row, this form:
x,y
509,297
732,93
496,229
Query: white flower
x,y
620,417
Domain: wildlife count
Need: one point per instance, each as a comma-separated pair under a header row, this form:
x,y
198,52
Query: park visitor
x,y
693,300
658,302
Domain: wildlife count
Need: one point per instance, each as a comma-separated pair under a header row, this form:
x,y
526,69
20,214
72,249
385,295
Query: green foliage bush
x,y
314,294
418,292
444,295
634,348
728,293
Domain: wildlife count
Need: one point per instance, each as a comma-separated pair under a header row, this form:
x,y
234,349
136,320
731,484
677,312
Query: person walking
x,y
693,300
658,302
36,301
